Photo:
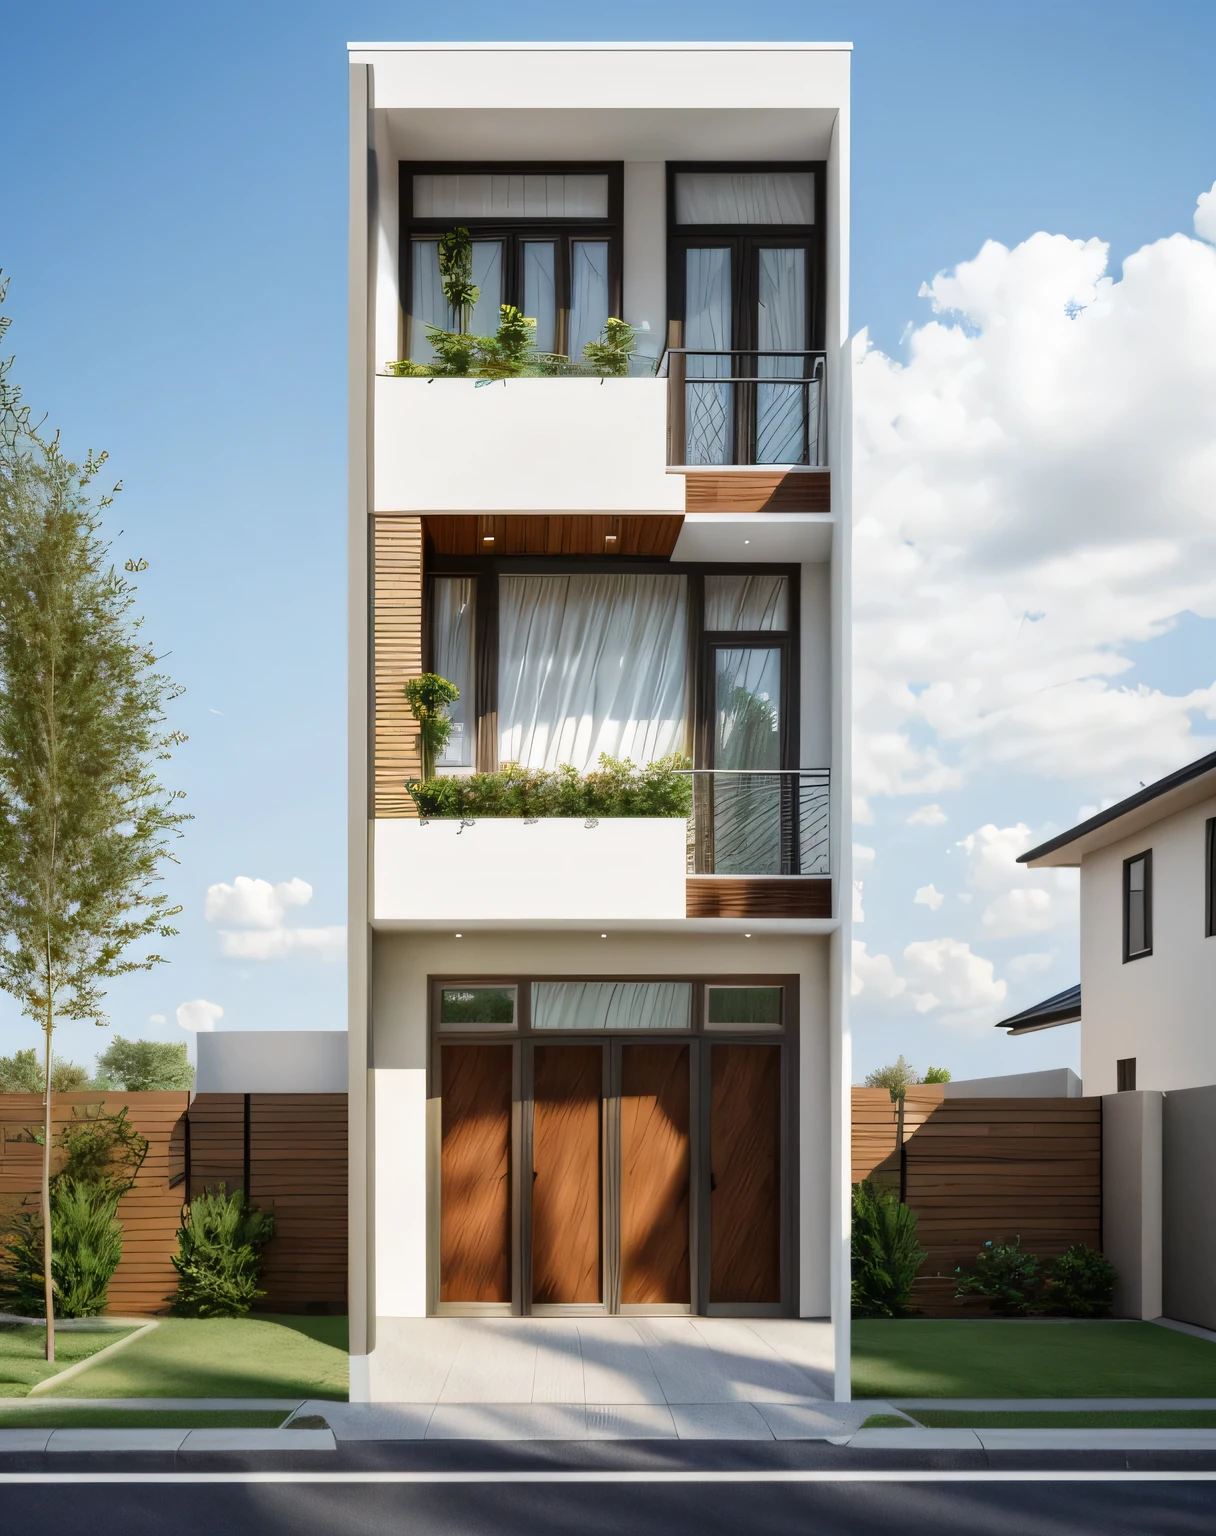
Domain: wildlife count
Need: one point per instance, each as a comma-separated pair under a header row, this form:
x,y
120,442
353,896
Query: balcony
x,y
755,845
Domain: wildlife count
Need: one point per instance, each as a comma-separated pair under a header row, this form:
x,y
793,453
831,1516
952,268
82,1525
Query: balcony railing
x,y
745,407
759,822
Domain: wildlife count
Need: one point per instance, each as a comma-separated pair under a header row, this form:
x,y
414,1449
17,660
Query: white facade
x,y
563,898
272,1061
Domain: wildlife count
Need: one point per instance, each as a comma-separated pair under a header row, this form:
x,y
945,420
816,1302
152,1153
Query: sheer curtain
x,y
539,299
452,613
746,602
781,326
511,195
707,323
591,664
588,294
745,197
429,306
611,1005
747,806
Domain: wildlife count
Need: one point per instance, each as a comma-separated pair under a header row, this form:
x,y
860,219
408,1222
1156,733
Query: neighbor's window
x,y
477,1008
1138,906
1209,883
1125,1075
743,1007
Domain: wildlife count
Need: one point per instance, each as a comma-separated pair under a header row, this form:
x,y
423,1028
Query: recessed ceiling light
x,y
747,541
603,935
746,935
460,935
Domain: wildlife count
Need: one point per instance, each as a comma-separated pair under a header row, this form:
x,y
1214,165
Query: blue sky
x,y
174,227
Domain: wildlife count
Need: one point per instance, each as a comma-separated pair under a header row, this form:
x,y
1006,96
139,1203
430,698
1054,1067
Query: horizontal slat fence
x,y
297,1165
980,1170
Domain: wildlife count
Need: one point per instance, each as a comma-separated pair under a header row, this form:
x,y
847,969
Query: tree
x,y
85,823
936,1075
899,1076
146,1066
21,1073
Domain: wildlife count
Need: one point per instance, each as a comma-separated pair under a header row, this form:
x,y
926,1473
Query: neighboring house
x,y
600,1065
1148,937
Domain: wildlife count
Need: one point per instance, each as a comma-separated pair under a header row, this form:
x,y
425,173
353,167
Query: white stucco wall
x,y
403,962
493,869
272,1061
1161,1009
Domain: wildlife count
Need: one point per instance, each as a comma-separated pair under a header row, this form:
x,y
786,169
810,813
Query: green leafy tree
x,y
85,823
146,1066
936,1075
896,1078
22,1072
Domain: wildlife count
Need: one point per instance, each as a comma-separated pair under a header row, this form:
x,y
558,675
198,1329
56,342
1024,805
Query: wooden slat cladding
x,y
475,1174
566,1212
981,1170
655,1096
397,656
745,1173
298,1171
730,896
536,534
757,490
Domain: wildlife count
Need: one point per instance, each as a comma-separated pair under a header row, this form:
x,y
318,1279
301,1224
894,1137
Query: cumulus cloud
x,y
927,816
199,1015
874,974
928,896
252,914
1205,215
950,976
1020,900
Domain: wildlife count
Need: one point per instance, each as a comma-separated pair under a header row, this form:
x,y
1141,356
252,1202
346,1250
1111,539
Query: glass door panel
x,y
540,297
567,1225
747,803
781,325
488,275
709,408
654,1184
588,294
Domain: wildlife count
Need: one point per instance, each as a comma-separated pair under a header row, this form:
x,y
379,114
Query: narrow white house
x,y
599,1058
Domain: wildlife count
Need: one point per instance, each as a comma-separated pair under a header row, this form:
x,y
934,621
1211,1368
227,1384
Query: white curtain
x,y
588,294
591,664
746,602
781,326
708,426
428,306
503,195
452,639
611,1005
539,299
745,197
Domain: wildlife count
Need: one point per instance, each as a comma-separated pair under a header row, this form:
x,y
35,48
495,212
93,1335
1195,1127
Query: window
x,y
1209,880
452,621
743,1007
477,1007
545,238
612,1005
1138,906
1125,1075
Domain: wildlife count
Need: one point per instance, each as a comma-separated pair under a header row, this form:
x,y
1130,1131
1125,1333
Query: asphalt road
x,y
856,1508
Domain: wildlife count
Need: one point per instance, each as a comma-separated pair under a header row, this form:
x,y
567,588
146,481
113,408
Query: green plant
x,y
146,1066
1008,1277
886,1252
609,354
456,274
1080,1283
219,1255
84,821
895,1079
936,1075
23,1073
428,697
616,788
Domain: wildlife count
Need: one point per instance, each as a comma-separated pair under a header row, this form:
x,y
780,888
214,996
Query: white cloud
x,y
1205,215
863,857
1021,900
156,1018
199,1015
252,913
927,816
928,896
1029,965
859,914
950,976
874,974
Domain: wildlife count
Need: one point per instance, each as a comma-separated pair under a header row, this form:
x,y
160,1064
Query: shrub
x,y
886,1252
615,788
22,1072
102,1155
1003,1273
219,1258
1080,1283
428,697
936,1075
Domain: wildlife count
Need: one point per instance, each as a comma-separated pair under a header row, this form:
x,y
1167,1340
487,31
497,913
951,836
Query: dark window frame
x,y
486,569
564,232
1209,878
1135,858
1125,1075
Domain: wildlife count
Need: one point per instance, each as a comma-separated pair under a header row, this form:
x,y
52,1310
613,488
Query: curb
x,y
185,1441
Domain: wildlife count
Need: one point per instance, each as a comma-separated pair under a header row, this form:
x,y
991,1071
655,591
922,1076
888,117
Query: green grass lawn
x,y
266,1356
896,1358
1157,1418
23,1348
43,1415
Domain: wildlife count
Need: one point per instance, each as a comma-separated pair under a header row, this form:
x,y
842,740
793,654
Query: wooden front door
x,y
745,1173
475,1167
567,1213
655,1167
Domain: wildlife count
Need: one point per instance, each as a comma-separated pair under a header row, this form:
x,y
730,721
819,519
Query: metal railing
x,y
759,821
745,406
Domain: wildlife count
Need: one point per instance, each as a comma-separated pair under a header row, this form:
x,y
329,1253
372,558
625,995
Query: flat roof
x,y
751,47
1180,789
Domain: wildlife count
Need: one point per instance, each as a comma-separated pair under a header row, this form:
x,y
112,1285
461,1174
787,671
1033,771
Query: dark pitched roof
x,y
1181,776
1063,1008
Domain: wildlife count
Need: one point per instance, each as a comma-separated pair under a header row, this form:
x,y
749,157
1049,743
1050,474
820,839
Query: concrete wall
x,y
1161,1009
402,965
272,1061
1055,1083
1188,1227
1131,1199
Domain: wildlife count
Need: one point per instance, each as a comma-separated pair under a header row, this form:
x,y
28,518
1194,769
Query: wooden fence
x,y
980,1170
290,1147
